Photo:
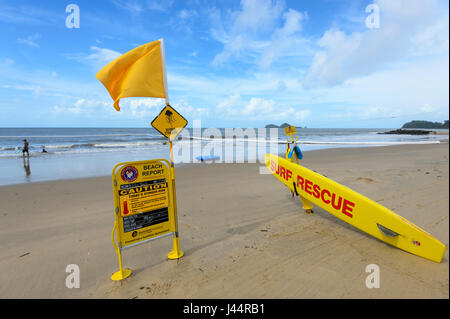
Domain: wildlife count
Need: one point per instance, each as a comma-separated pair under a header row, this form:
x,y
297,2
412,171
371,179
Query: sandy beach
x,y
242,234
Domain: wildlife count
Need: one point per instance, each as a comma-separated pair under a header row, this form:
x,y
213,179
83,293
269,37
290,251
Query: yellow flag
x,y
137,73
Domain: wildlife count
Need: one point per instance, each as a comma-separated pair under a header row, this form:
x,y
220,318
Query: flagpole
x,y
176,252
163,62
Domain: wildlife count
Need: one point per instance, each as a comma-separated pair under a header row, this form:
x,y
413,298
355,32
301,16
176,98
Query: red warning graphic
x,y
125,208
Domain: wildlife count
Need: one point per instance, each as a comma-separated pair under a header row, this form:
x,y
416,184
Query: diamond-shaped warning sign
x,y
169,122
289,130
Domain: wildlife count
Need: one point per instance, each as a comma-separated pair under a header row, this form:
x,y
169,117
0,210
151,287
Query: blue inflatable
x,y
297,151
207,158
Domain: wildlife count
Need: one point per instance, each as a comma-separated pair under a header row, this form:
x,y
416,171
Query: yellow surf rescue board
x,y
355,209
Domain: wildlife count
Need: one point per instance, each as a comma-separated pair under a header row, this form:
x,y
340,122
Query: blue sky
x,y
230,63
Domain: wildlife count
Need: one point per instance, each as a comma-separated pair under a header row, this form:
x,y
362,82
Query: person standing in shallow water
x,y
25,148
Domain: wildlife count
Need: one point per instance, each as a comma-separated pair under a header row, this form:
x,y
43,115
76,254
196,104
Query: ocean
x,y
89,152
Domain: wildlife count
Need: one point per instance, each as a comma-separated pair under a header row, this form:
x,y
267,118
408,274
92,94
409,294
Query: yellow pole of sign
x,y
176,252
121,273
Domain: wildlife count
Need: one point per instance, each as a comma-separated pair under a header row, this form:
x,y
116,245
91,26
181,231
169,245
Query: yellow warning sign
x,y
288,130
142,196
169,122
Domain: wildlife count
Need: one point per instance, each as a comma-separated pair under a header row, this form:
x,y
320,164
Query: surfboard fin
x,y
387,231
295,189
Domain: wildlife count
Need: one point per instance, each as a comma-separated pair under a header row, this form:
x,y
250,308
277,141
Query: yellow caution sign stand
x,y
145,196
144,207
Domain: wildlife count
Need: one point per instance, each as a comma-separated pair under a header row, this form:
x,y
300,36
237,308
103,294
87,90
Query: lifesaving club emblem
x,y
129,174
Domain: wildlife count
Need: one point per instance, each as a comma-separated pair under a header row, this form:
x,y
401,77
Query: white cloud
x,y
191,112
284,38
256,15
42,82
68,110
149,108
405,89
83,106
97,57
301,114
141,108
426,108
130,108
260,32
184,21
80,102
259,109
258,106
244,27
186,14
374,112
131,6
36,89
233,47
229,102
30,40
292,23
432,40
101,56
404,27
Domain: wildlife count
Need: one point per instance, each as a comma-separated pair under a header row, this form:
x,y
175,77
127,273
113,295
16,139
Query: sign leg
x,y
121,273
307,205
176,252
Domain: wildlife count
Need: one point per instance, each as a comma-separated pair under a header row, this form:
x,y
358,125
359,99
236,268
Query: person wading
x,y
25,148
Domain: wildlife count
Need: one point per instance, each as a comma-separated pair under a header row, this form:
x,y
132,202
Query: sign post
x,y
170,123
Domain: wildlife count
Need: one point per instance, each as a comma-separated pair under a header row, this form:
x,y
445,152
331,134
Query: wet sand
x,y
242,234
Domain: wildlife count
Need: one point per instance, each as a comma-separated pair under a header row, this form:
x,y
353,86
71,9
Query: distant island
x,y
407,132
281,126
410,128
276,126
426,124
